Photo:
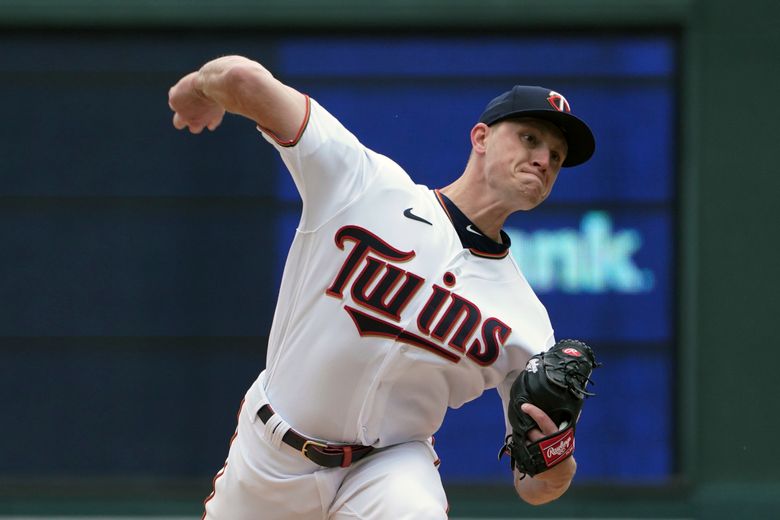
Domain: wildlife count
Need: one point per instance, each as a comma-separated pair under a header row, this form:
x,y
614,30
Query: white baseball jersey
x,y
384,319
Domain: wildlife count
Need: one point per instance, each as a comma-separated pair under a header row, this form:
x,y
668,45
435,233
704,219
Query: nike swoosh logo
x,y
408,214
473,230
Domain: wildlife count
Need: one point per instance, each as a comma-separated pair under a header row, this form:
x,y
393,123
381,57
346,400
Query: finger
x,y
170,97
534,435
546,425
215,123
178,121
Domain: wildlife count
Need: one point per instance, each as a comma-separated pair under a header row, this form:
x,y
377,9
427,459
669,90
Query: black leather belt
x,y
328,455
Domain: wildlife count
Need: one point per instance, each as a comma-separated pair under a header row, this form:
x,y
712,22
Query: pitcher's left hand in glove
x,y
555,381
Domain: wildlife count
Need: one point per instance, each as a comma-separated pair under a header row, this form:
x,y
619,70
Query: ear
x,y
479,138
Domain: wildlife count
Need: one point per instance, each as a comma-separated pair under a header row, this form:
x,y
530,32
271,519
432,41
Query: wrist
x,y
198,85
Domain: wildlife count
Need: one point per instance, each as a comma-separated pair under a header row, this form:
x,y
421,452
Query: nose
x,y
541,158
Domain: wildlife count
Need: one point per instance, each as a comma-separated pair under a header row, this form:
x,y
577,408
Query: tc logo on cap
x,y
558,102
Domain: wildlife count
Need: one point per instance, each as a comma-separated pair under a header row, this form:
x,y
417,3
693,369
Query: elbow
x,y
546,487
534,501
537,497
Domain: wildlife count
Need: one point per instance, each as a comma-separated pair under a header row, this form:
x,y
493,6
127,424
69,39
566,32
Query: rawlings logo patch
x,y
572,352
556,449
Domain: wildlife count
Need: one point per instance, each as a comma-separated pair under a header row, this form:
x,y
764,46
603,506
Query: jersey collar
x,y
470,236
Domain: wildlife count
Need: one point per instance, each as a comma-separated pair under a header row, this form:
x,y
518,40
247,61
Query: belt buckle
x,y
314,443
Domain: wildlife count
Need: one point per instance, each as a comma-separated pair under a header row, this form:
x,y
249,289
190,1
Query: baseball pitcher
x,y
397,302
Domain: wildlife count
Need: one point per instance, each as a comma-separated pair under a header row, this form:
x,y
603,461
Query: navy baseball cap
x,y
544,103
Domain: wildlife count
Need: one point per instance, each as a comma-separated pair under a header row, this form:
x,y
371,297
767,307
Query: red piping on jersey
x,y
475,252
443,205
224,467
294,140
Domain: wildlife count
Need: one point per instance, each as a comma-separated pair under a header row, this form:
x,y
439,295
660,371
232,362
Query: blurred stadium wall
x,y
729,252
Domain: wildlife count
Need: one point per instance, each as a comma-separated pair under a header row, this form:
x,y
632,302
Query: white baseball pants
x,y
264,479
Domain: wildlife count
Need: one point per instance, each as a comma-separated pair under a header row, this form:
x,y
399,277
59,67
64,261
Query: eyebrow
x,y
541,124
559,143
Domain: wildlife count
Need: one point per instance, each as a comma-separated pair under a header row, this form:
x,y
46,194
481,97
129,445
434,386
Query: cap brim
x,y
579,137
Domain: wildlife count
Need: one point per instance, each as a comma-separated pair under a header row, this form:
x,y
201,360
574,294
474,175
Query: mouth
x,y
536,174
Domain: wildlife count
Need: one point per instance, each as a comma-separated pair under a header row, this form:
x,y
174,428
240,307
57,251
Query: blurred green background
x,y
729,251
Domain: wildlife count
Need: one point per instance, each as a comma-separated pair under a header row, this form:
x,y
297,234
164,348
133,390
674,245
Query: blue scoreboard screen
x,y
600,252
142,265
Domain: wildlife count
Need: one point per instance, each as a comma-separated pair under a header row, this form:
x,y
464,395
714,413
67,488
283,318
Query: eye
x,y
555,156
528,138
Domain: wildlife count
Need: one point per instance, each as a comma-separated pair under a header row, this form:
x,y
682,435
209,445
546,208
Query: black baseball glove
x,y
555,381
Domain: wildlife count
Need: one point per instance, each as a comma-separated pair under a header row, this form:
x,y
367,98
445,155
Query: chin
x,y
529,203
530,197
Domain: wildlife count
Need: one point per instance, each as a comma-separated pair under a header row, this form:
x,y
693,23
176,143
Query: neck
x,y
475,202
